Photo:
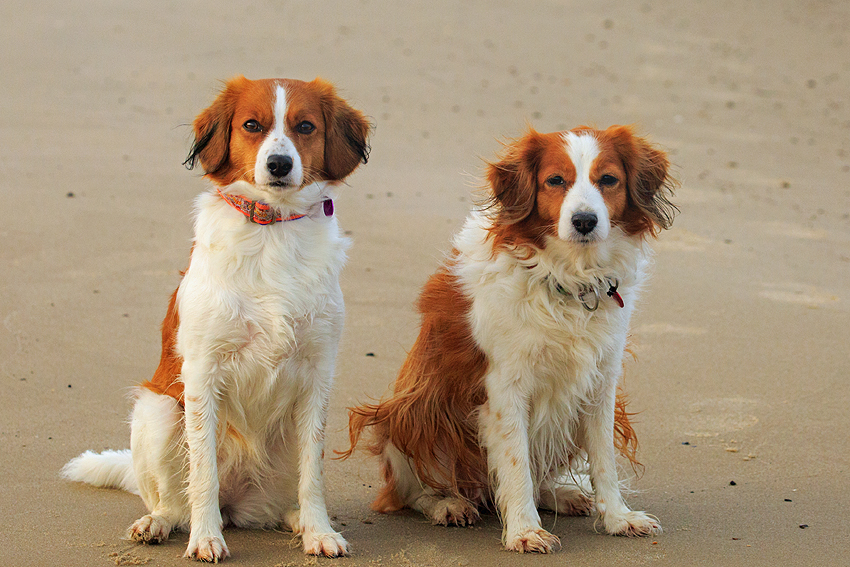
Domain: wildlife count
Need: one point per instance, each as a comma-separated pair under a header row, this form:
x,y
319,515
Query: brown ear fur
x,y
649,183
513,179
346,133
212,130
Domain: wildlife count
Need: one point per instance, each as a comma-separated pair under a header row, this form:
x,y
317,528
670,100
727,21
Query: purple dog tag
x,y
328,207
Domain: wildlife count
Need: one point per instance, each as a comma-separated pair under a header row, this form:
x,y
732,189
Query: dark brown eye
x,y
608,180
556,181
305,127
252,126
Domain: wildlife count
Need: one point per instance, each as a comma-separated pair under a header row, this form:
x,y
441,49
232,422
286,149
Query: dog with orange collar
x,y
230,429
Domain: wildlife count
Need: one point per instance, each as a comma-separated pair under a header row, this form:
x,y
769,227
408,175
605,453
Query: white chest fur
x,y
543,346
258,303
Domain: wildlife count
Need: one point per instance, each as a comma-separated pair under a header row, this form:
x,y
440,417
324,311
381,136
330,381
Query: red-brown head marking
x,y
533,177
279,117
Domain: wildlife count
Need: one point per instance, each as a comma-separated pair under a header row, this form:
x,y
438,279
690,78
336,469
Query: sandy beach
x,y
743,356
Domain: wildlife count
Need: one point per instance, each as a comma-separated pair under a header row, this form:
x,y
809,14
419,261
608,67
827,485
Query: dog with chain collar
x,y
512,384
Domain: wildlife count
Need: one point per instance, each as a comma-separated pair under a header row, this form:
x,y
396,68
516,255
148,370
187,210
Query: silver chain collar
x,y
589,296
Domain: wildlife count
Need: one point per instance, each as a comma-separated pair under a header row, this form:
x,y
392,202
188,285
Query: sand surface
x,y
743,352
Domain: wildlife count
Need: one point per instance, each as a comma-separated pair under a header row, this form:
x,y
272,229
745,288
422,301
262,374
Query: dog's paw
x,y
210,549
150,529
453,512
576,504
329,544
632,524
567,501
534,540
292,519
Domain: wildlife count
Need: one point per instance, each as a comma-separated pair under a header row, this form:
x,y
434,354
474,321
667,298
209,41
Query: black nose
x,y
279,165
584,222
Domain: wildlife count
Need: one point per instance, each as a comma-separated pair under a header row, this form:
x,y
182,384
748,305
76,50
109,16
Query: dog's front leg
x,y
206,542
504,430
598,435
318,537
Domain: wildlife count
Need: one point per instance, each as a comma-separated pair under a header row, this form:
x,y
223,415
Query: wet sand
x,y
742,347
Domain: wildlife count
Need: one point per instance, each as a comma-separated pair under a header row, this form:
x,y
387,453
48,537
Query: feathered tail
x,y
110,469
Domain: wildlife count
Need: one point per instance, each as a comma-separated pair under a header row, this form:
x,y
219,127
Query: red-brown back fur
x,y
430,416
166,379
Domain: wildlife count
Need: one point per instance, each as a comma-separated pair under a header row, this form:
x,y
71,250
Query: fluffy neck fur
x,y
574,268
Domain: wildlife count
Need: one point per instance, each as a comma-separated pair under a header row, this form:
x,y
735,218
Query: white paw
x,y
567,501
453,511
576,504
632,524
534,540
292,519
210,549
150,529
329,544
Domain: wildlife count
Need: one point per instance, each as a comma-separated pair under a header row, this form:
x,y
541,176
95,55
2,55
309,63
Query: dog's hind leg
x,y
405,489
159,460
567,495
269,498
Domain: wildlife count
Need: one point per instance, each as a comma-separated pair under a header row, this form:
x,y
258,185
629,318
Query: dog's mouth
x,y
583,239
281,185
278,192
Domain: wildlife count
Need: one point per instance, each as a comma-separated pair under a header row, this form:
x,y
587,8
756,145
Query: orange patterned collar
x,y
257,211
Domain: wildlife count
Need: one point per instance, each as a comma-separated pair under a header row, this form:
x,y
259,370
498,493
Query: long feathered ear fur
x,y
513,179
650,184
346,133
211,147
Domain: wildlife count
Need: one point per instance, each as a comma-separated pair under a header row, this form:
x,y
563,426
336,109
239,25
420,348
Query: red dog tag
x,y
613,293
616,295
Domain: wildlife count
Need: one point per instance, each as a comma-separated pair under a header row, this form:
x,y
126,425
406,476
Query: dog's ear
x,y
212,130
513,179
346,133
650,184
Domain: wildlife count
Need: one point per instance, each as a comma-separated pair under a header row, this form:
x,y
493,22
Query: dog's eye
x,y
305,127
608,180
556,181
252,126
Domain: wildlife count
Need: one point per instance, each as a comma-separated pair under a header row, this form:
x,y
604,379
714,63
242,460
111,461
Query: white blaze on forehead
x,y
583,196
583,149
279,127
278,143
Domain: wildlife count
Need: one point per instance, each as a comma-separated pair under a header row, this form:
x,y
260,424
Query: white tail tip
x,y
109,469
